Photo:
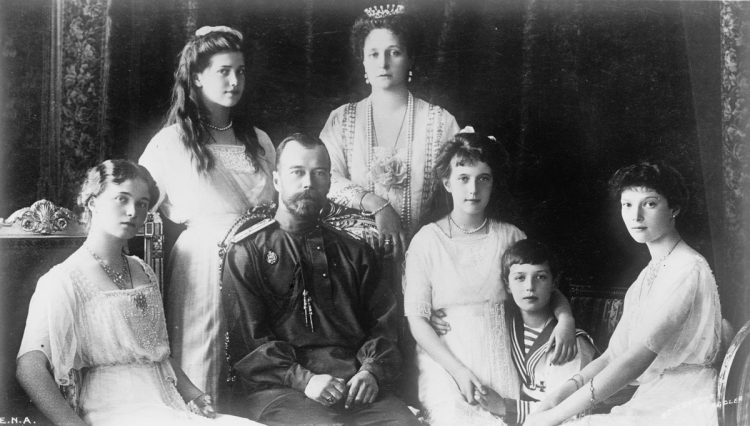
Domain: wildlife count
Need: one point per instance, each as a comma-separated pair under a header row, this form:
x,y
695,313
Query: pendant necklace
x,y
370,135
398,135
120,279
653,268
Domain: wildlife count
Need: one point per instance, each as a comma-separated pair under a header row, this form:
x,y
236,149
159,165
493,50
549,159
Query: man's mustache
x,y
308,194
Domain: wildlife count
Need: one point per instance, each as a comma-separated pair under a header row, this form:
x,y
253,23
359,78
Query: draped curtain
x,y
575,88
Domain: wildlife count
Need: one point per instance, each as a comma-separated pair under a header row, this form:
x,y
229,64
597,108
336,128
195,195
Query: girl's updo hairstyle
x,y
468,148
185,109
658,176
113,171
403,25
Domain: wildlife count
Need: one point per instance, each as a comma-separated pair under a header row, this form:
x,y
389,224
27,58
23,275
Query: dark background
x,y
576,89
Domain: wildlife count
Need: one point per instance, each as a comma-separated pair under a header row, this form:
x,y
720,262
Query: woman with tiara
x,y
383,147
211,166
96,323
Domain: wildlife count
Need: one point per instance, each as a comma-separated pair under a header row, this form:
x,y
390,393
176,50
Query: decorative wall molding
x,y
43,217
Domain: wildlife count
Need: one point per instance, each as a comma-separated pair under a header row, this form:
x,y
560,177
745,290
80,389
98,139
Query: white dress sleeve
x,y
682,322
269,154
50,325
417,284
156,158
451,127
343,190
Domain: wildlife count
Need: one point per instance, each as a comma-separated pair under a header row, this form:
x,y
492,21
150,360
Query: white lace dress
x,y
462,276
679,318
117,340
208,204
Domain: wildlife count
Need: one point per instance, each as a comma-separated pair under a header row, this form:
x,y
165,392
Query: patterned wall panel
x,y
735,44
77,134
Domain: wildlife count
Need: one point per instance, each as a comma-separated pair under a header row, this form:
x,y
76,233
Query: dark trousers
x,y
286,406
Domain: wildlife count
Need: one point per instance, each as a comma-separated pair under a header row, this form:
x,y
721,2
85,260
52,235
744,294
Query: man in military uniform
x,y
312,326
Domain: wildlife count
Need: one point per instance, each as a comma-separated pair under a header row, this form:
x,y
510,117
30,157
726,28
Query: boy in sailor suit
x,y
530,274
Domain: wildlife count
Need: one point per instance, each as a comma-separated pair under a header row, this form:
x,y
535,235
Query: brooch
x,y
140,301
271,257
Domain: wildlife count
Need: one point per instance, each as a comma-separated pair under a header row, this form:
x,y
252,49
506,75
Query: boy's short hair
x,y
531,252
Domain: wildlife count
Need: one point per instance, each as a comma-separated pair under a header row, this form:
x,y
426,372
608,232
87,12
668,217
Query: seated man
x,y
312,326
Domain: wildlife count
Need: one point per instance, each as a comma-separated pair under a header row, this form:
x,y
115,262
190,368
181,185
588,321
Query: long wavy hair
x,y
186,110
469,148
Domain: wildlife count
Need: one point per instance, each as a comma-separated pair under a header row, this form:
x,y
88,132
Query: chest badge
x,y
271,257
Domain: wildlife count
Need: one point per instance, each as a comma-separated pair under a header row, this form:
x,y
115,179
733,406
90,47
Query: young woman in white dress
x,y
668,337
96,323
211,165
454,265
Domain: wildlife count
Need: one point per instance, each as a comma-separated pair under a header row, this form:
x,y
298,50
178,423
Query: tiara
x,y
378,12
221,28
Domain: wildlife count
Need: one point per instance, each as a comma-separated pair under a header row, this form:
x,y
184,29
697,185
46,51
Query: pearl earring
x,y
410,76
367,80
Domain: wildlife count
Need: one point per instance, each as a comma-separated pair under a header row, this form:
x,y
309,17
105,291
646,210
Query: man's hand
x,y
363,389
325,389
438,324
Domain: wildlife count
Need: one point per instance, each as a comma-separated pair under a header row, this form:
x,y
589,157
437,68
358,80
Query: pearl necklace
x,y
118,278
217,128
466,231
406,196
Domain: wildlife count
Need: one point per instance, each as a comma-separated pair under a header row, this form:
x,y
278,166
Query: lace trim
x,y
422,309
430,154
348,127
233,157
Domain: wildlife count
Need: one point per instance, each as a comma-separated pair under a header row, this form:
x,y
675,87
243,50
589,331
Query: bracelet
x,y
362,198
592,401
575,380
376,211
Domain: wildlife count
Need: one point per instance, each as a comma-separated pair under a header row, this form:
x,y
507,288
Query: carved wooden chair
x,y
733,384
32,240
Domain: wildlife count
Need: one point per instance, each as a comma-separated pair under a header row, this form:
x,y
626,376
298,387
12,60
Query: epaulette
x,y
252,230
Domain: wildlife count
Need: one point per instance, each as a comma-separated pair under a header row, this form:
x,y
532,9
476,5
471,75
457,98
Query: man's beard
x,y
305,204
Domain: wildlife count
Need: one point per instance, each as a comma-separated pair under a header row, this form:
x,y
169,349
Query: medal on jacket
x,y
307,308
271,257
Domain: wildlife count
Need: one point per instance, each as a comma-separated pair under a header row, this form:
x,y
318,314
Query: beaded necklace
x,y
464,230
118,278
217,128
406,196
